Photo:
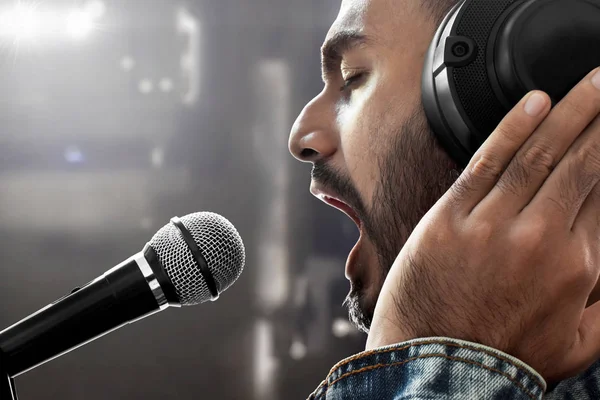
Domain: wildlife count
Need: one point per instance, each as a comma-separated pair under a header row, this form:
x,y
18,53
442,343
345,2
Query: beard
x,y
414,172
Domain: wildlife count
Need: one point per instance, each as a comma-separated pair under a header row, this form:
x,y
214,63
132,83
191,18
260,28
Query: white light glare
x,y
157,156
146,86
127,63
26,20
341,328
166,85
23,22
79,24
298,350
95,9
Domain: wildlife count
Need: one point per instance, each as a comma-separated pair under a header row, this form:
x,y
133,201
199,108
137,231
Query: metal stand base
x,y
8,391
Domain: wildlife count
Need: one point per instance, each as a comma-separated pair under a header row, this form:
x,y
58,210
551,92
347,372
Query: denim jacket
x,y
444,368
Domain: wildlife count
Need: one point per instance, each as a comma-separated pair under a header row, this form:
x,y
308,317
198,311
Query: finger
x,y
587,347
588,220
594,295
540,154
490,160
564,192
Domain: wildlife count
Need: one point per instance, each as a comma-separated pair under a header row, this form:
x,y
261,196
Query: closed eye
x,y
351,81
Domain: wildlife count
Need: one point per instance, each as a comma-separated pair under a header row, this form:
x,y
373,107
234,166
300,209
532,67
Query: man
x,y
485,289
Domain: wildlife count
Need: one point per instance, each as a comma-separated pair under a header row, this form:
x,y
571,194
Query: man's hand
x,y
510,254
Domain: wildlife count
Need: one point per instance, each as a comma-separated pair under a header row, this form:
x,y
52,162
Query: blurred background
x,y
118,115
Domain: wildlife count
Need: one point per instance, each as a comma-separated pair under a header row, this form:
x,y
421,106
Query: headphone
x,y
487,54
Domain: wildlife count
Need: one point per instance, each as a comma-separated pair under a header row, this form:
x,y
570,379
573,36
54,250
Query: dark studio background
x,y
167,108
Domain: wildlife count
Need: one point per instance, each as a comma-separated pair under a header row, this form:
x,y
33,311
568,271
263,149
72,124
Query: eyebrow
x,y
335,47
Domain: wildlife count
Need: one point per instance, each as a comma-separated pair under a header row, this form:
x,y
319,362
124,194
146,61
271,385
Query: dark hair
x,y
438,9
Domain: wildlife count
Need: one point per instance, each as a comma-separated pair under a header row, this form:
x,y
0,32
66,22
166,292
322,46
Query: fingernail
x,y
596,79
535,104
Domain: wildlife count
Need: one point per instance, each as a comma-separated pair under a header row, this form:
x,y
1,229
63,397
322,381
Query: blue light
x,y
73,155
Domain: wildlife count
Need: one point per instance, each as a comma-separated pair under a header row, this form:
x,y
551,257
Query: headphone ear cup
x,y
429,97
514,46
548,45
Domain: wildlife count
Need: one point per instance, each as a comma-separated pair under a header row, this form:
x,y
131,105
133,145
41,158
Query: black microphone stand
x,y
8,391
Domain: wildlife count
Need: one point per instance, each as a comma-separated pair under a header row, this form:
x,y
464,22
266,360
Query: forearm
x,y
431,368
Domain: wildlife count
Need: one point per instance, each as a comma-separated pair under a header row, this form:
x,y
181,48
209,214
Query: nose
x,y
314,135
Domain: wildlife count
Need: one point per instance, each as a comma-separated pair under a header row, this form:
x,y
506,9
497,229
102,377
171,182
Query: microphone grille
x,y
219,243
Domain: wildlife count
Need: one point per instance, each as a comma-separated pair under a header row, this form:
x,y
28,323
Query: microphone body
x,y
134,289
189,261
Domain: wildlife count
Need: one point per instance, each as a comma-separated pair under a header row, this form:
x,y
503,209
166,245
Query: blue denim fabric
x,y
431,368
585,386
443,368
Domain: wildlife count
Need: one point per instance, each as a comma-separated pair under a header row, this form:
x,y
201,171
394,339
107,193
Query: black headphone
x,y
487,54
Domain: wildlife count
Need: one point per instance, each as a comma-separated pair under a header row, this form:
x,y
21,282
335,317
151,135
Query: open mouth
x,y
345,208
352,263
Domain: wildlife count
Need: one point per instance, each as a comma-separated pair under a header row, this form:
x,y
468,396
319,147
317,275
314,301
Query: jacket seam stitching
x,y
450,344
320,388
378,366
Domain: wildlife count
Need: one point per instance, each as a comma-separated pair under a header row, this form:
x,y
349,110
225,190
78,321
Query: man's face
x,y
373,154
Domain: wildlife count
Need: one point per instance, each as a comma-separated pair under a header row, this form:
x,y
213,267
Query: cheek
x,y
365,129
360,157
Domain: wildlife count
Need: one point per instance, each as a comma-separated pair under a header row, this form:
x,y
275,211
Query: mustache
x,y
327,176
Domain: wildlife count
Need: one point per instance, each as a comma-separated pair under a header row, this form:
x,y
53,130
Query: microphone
x,y
187,262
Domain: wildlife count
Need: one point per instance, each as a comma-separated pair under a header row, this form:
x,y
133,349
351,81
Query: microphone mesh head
x,y
220,244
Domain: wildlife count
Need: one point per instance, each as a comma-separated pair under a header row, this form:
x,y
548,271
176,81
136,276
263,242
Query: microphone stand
x,y
8,390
